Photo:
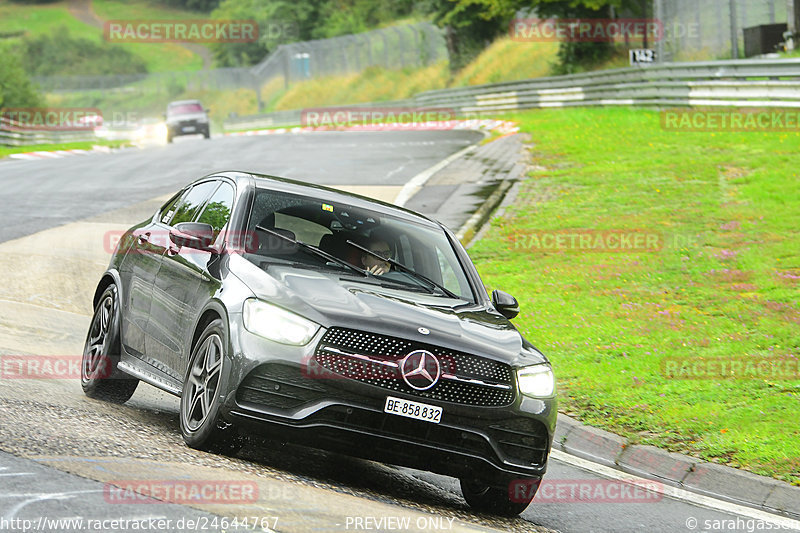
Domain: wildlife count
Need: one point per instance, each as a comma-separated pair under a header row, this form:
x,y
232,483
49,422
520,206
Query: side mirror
x,y
505,304
192,235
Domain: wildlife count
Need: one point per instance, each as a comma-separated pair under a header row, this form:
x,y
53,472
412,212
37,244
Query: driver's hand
x,y
378,270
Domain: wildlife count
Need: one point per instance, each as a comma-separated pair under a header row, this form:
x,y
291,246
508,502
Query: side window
x,y
217,211
190,203
168,209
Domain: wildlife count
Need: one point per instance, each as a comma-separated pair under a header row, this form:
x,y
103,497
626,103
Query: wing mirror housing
x,y
196,235
505,304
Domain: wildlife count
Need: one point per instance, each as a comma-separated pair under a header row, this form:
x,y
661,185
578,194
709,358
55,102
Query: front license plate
x,y
409,409
188,128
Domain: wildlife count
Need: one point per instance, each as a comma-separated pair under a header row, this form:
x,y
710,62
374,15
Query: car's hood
x,y
335,300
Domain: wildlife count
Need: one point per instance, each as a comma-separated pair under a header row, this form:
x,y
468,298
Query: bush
x,y
16,89
59,54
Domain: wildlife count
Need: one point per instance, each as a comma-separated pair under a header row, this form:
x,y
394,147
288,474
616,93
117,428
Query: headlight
x,y
537,381
276,324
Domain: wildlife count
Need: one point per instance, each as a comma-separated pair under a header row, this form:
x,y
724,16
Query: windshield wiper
x,y
314,250
432,284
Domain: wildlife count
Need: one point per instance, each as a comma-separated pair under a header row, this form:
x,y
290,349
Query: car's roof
x,y
325,193
182,102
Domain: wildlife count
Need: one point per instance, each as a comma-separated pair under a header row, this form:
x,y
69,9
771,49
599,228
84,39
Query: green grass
x,y
5,151
508,60
372,85
41,19
160,57
724,285
141,9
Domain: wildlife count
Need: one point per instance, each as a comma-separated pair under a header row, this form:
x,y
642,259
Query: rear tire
x,y
495,498
100,378
201,426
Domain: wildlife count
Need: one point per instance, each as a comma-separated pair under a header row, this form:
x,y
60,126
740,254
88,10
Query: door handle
x,y
144,238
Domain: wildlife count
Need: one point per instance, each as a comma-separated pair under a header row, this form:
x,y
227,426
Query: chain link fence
x,y
394,47
413,45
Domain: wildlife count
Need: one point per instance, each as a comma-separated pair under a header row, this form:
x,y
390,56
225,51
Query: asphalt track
x,y
63,448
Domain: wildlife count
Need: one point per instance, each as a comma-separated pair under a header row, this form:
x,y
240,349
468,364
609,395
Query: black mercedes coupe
x,y
327,319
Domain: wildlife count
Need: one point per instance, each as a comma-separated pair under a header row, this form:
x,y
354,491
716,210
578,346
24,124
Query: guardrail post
x,y
734,31
659,9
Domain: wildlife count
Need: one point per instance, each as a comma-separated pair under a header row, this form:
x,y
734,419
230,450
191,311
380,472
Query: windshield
x,y
413,251
185,109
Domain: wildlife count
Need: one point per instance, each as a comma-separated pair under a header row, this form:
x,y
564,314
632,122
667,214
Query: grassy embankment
x,y
42,19
724,285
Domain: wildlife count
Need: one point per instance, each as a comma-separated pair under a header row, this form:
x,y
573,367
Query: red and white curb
x,y
504,127
57,154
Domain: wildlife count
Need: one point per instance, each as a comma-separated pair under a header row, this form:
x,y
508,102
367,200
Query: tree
x,y
279,21
470,27
282,21
571,54
16,89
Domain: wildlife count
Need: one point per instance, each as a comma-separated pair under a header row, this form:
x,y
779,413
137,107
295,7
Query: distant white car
x,y
187,117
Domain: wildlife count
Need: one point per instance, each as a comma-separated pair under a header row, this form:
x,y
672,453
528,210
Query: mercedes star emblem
x,y
420,370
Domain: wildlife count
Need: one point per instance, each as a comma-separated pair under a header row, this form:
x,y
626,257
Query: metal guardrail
x,y
732,83
12,135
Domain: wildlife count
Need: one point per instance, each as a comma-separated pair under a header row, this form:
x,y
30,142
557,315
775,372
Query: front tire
x,y
100,378
201,426
504,499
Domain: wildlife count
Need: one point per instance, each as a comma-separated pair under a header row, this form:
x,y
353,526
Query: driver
x,y
372,264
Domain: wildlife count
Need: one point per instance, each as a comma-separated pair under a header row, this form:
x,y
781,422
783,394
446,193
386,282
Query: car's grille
x,y
466,379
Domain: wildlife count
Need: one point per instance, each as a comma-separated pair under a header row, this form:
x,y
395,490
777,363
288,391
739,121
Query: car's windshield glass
x,y
422,248
185,109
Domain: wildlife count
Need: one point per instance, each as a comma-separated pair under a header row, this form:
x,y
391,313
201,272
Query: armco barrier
x,y
737,83
13,135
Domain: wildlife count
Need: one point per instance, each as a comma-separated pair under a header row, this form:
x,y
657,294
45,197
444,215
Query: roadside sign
x,y
642,56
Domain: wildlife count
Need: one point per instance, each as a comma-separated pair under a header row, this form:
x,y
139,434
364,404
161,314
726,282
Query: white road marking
x,y
415,184
674,492
43,497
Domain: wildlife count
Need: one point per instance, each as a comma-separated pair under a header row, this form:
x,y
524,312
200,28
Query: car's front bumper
x,y
275,390
187,127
